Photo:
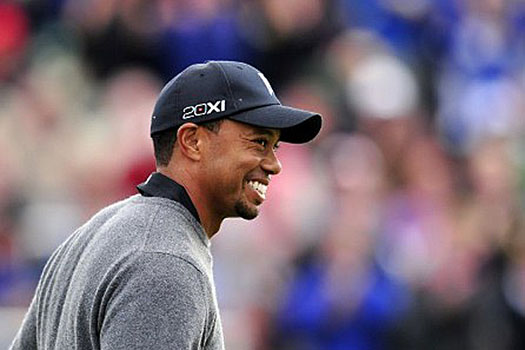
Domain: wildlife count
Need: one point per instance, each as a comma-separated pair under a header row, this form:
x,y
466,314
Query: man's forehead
x,y
266,131
257,130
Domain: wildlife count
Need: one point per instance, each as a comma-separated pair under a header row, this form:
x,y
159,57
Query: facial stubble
x,y
244,210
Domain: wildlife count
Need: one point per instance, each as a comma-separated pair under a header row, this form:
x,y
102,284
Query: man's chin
x,y
246,211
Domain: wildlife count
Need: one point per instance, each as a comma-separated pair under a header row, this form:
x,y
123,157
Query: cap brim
x,y
296,125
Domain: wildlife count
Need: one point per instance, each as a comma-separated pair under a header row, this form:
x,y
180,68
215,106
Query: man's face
x,y
237,166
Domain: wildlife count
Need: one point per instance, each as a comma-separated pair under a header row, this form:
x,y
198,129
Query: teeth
x,y
259,187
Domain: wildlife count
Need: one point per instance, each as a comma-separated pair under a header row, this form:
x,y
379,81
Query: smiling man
x,y
138,275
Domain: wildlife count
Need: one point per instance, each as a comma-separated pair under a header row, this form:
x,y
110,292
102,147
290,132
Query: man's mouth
x,y
258,187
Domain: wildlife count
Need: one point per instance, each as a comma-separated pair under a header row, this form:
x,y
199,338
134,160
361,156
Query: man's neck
x,y
210,224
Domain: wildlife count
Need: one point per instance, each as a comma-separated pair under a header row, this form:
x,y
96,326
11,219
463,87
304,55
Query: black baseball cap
x,y
234,90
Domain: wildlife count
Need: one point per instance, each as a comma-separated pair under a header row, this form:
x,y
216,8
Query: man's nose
x,y
271,164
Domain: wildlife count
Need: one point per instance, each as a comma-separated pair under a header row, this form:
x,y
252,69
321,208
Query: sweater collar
x,y
159,185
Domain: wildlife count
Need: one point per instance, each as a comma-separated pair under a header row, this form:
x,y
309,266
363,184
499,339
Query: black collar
x,y
158,185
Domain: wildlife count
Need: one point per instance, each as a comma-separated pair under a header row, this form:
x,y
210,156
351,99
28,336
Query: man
x,y
138,274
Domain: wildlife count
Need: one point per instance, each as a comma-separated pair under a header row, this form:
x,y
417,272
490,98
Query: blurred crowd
x,y
401,227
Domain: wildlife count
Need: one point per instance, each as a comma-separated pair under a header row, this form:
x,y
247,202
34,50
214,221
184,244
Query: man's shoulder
x,y
176,232
166,227
137,207
152,225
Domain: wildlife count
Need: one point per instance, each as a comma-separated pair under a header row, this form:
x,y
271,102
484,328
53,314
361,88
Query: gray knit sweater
x,y
138,275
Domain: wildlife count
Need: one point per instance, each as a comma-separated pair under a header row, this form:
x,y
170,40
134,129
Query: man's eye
x,y
262,142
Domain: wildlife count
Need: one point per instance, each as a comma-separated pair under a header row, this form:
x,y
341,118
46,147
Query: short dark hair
x,y
164,141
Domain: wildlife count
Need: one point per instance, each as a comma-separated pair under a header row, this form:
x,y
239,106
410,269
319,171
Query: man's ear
x,y
189,141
